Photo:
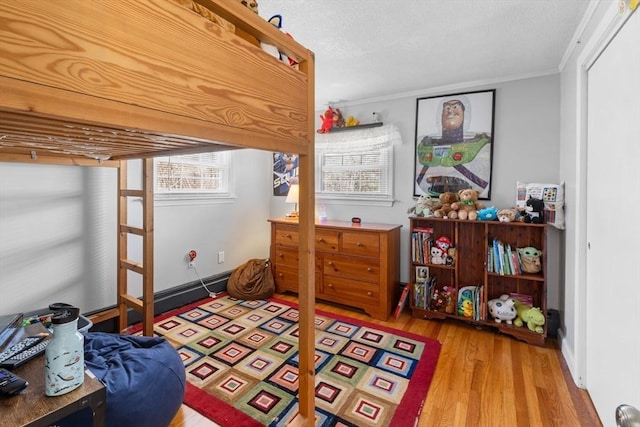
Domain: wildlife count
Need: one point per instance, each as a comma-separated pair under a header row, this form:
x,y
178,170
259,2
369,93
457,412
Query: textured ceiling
x,y
368,49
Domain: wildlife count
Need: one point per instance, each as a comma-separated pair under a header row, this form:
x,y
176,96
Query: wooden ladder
x,y
125,265
144,269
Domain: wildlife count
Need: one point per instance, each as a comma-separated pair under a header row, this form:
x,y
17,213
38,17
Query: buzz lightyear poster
x,y
454,143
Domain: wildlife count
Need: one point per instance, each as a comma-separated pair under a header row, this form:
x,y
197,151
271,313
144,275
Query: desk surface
x,y
33,408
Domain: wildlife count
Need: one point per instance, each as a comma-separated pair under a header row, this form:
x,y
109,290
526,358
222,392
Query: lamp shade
x,y
293,194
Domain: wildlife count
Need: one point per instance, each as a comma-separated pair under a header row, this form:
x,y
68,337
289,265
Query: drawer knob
x,y
281,255
320,240
331,285
280,275
359,245
330,263
369,294
288,236
369,269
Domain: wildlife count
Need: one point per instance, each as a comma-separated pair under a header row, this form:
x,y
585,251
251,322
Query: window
x,y
356,165
193,176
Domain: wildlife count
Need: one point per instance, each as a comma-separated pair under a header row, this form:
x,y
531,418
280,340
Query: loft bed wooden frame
x,y
97,83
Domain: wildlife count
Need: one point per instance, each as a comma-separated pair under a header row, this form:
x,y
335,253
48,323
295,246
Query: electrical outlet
x,y
220,257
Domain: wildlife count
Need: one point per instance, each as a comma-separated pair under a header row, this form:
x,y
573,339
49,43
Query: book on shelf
x,y
402,301
470,302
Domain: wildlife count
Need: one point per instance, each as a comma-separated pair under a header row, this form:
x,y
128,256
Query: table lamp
x,y
292,197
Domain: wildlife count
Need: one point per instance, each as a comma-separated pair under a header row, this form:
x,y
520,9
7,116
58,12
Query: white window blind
x,y
356,164
194,174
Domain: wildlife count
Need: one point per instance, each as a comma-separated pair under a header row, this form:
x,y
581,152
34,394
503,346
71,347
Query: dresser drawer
x,y
354,292
286,256
364,244
286,278
352,268
327,240
286,235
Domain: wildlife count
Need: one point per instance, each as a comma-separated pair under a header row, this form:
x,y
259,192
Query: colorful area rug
x,y
241,361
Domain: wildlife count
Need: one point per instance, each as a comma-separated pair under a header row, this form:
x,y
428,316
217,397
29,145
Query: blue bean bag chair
x,y
144,377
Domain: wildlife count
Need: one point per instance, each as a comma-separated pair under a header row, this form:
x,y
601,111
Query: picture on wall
x,y
454,143
285,167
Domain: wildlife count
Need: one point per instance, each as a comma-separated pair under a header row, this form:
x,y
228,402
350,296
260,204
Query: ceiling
x,y
367,49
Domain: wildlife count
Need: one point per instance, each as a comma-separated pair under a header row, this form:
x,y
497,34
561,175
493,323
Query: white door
x,y
613,224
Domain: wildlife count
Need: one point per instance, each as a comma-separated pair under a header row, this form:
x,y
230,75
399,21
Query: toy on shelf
x,y
327,121
467,205
488,214
534,211
530,259
532,316
352,121
510,215
438,256
503,308
445,210
338,120
424,206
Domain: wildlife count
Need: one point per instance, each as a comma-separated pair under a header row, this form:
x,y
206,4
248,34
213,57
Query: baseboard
x,y
169,299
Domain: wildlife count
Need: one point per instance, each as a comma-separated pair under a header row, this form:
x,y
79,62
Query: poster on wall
x,y
454,143
285,167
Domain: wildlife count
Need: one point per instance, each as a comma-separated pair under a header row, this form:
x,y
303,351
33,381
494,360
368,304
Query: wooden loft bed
x,y
101,82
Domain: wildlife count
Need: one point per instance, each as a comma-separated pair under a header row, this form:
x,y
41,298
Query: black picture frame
x,y
455,151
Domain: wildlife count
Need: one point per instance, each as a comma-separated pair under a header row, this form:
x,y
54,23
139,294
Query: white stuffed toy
x,y
503,308
276,21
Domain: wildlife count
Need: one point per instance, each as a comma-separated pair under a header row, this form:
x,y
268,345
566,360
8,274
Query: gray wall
x,y
58,233
526,148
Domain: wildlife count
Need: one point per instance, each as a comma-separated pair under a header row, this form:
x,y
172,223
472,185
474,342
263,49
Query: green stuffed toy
x,y
532,316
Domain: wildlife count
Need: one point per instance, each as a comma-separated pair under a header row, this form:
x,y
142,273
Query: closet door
x,y
613,253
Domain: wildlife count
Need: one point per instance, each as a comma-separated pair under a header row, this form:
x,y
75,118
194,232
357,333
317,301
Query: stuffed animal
x,y
530,259
445,210
510,215
338,120
423,207
438,301
532,316
467,205
503,308
351,121
534,211
444,243
450,299
327,121
276,21
488,214
450,259
437,255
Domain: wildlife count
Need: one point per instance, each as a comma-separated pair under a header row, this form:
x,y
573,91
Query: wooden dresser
x,y
356,264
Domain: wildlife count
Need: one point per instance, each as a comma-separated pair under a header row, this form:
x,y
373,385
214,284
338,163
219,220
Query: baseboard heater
x,y
168,299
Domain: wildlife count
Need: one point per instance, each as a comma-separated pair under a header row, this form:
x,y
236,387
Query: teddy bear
x,y
445,210
510,215
532,316
503,308
467,205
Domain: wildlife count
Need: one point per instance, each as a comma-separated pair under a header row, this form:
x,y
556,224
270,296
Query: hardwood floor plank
x,y
483,378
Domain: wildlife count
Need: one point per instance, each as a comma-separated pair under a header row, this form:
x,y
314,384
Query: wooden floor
x,y
482,379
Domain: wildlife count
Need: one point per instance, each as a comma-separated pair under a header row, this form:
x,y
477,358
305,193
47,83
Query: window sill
x,y
353,200
192,199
